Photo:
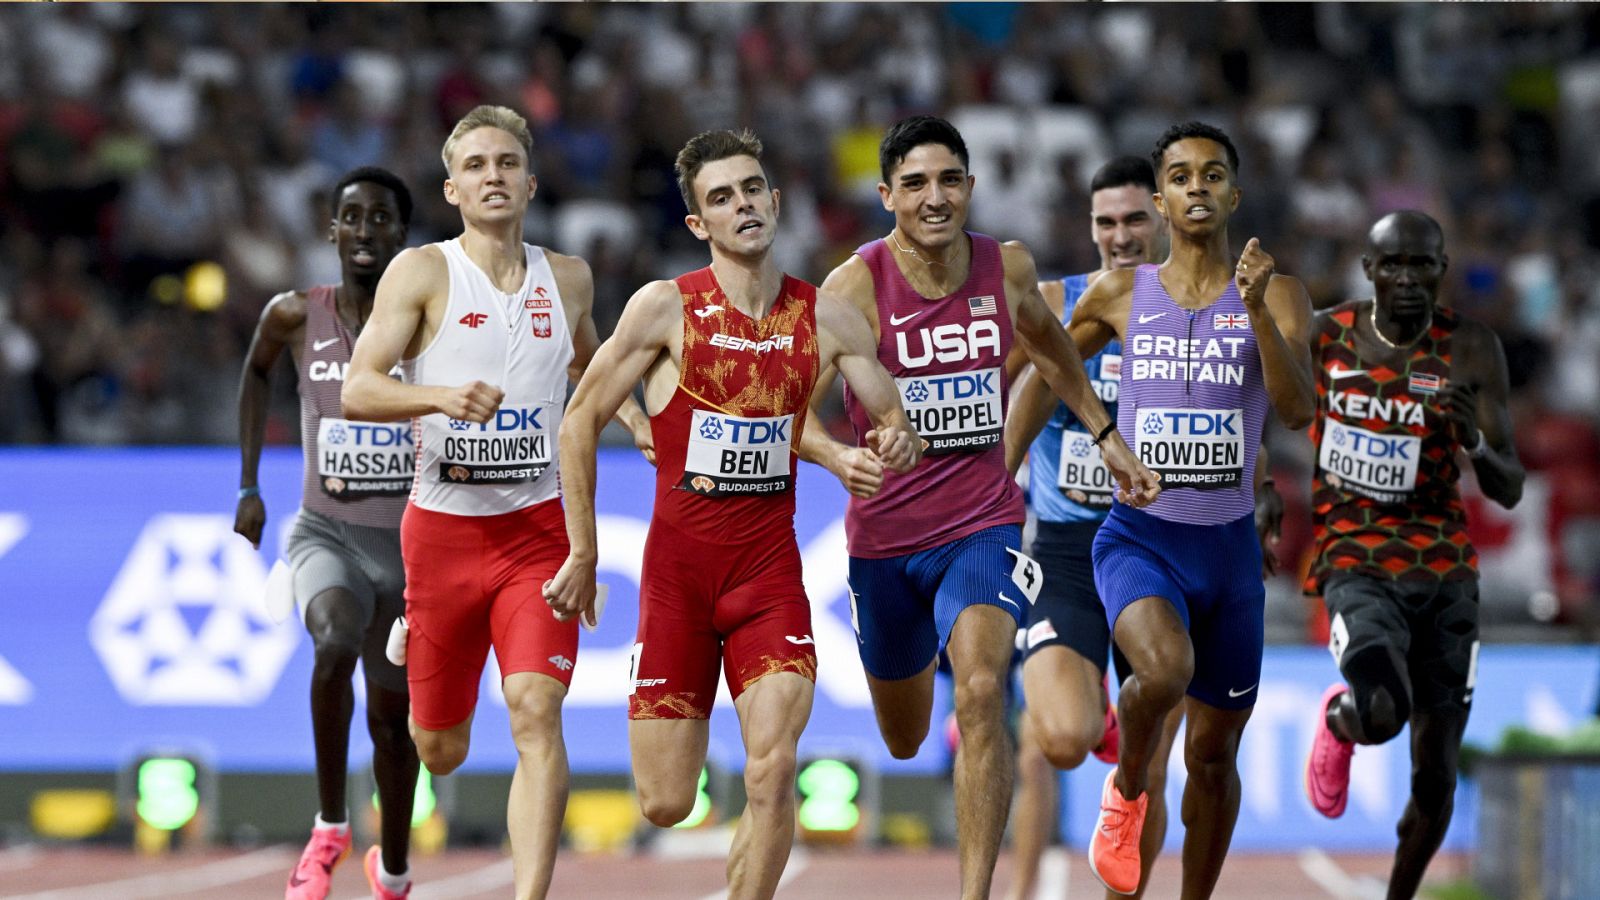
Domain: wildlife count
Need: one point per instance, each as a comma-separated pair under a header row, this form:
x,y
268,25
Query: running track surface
x,y
74,873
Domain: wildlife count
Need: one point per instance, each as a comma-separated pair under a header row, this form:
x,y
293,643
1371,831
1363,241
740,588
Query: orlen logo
x,y
473,320
949,343
506,420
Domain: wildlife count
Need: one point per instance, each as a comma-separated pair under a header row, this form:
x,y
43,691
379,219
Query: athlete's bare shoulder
x,y
285,312
1054,294
569,270
1018,262
851,282
418,273
654,314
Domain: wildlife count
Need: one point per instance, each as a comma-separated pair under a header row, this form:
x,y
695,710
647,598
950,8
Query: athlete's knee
x,y
1382,701
336,652
1433,789
904,744
769,778
980,697
387,731
441,751
664,808
1067,743
535,713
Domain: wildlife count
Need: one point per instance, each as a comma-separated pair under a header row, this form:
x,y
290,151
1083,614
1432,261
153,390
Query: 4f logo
x,y
473,320
561,662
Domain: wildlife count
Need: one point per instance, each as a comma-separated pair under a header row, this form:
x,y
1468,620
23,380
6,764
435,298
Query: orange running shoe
x,y
1114,847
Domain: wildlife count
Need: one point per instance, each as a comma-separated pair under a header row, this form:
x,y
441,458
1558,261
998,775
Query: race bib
x,y
1193,448
1382,467
511,448
364,459
1082,474
734,456
957,412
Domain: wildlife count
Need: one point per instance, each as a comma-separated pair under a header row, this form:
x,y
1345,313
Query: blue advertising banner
x,y
132,617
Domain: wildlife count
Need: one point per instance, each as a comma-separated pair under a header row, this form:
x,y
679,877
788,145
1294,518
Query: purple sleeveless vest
x,y
1193,401
947,357
356,472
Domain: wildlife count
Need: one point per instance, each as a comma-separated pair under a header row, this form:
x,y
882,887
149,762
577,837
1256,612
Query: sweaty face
x,y
367,229
738,209
489,176
1197,191
1127,228
929,192
1406,263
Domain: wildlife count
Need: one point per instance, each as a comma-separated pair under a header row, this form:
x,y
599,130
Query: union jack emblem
x,y
981,306
1230,321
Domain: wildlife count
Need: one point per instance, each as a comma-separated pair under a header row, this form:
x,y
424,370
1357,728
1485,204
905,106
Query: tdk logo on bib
x,y
954,412
1196,448
1380,466
737,455
361,434
514,419
1191,422
746,431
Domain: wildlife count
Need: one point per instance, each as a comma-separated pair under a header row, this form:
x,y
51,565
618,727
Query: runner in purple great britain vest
x,y
344,552
935,558
1207,346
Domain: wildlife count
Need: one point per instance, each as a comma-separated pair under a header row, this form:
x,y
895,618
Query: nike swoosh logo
x,y
1337,374
901,320
1234,693
1144,319
1009,600
323,345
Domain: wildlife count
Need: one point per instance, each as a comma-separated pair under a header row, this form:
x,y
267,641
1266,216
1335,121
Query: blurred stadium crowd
x,y
164,169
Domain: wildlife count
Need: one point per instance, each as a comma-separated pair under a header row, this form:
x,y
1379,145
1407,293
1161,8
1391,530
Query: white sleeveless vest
x,y
519,342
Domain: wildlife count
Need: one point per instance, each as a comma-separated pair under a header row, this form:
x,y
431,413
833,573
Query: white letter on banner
x,y
14,689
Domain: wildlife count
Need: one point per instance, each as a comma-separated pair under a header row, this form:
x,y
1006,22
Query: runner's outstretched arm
x,y
853,352
283,318
641,336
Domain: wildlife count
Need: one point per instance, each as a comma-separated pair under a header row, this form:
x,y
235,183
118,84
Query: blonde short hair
x,y
487,116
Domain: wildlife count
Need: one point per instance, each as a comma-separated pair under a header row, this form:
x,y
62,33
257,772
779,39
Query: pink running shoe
x,y
1328,766
373,866
1111,737
312,876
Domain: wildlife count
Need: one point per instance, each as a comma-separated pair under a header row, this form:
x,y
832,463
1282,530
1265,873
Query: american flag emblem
x,y
1230,321
981,306
1423,383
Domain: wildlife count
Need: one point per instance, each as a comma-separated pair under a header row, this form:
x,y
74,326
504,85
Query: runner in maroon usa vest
x,y
1404,387
936,565
348,578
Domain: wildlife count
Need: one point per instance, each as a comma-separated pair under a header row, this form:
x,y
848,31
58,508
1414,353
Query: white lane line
x,y
166,884
798,860
1055,875
1335,881
22,856
489,878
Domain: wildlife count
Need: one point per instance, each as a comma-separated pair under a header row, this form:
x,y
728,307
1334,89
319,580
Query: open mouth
x,y
939,219
498,198
363,256
1198,212
750,226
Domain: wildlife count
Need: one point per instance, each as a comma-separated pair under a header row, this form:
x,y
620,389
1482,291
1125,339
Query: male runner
x,y
729,355
1402,386
1066,642
489,329
1207,347
935,560
345,547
